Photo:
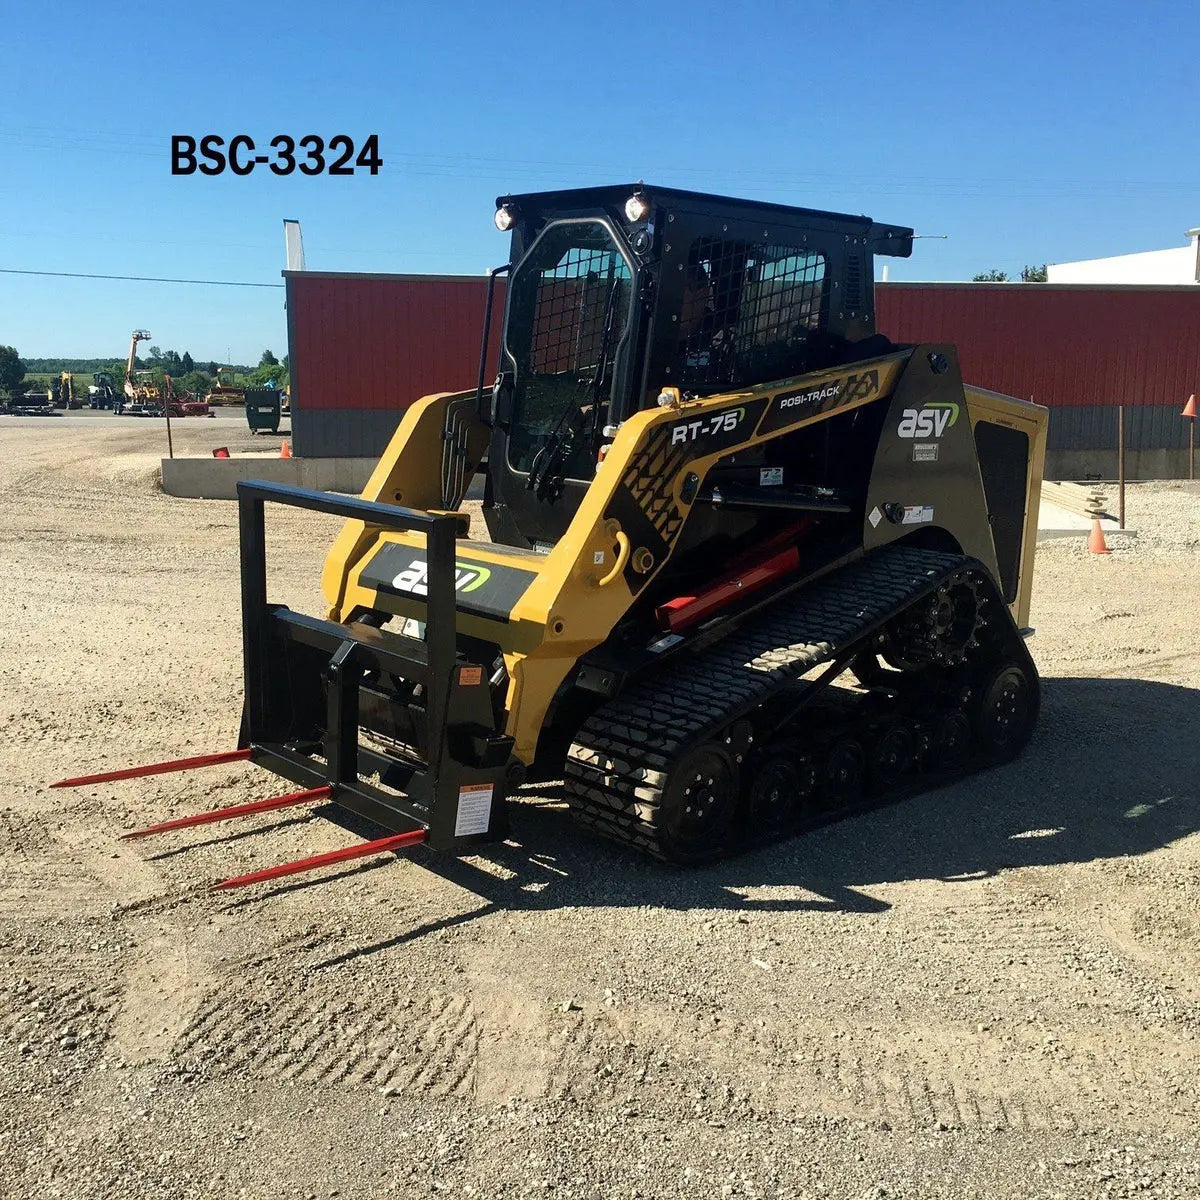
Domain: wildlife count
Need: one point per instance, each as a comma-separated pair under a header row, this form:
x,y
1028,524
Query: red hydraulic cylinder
x,y
684,611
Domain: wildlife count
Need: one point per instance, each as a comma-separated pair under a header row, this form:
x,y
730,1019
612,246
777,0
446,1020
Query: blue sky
x,y
1024,132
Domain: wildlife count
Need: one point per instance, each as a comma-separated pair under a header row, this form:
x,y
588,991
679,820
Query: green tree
x,y
212,368
265,373
268,359
992,276
154,356
186,366
196,381
1032,274
172,363
12,371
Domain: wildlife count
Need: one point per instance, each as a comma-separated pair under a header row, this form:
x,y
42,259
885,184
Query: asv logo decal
x,y
414,579
722,422
931,421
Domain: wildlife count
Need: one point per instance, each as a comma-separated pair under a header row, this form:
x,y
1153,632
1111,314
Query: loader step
x,y
627,757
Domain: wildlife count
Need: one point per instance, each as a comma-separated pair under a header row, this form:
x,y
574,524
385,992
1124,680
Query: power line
x,y
140,278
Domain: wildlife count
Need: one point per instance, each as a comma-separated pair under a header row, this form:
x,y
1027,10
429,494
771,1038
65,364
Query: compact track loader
x,y
752,566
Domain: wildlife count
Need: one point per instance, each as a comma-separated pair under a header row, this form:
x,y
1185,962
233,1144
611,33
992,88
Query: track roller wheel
x,y
699,805
942,629
1005,710
950,742
891,755
844,774
738,739
780,790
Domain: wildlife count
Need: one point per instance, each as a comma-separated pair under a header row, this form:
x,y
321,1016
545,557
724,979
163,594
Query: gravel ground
x,y
988,991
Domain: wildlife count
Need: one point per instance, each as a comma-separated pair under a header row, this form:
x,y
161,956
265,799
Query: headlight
x,y
636,207
505,216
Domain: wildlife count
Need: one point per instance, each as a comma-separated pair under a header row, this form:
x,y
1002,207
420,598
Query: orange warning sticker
x,y
470,676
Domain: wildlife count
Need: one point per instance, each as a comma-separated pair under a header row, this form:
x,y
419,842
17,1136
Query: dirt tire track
x,y
321,1037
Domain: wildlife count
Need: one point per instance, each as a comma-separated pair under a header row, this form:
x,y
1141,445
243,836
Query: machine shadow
x,y
1112,771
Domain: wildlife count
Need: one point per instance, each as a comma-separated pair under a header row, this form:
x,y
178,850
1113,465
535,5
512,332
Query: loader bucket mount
x,y
311,683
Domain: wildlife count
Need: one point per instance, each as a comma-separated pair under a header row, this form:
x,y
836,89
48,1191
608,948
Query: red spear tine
x,y
234,810
394,842
162,768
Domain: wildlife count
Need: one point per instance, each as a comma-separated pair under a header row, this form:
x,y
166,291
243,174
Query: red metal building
x,y
363,347
1079,349
1059,344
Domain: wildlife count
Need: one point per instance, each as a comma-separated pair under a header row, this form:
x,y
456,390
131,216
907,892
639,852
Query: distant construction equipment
x,y
62,392
226,389
146,399
103,392
138,392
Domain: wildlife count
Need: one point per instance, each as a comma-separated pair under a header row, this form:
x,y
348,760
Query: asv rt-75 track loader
x,y
752,565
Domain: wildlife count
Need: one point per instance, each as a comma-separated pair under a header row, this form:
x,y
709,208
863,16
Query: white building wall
x,y
1179,265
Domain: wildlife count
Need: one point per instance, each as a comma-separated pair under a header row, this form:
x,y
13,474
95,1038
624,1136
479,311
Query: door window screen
x,y
569,308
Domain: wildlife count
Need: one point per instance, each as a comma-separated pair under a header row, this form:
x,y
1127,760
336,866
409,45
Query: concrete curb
x,y
1054,521
217,478
1046,535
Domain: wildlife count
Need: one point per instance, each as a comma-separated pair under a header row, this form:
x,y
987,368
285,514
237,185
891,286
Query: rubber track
x,y
618,764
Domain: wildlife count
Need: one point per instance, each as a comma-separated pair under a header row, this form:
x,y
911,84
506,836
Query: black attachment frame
x,y
290,658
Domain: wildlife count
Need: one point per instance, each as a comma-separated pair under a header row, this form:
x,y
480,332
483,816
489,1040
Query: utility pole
x,y
1189,411
1121,465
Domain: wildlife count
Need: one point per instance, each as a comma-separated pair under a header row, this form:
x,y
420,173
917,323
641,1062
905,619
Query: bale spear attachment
x,y
436,770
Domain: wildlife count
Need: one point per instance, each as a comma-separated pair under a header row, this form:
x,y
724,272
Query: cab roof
x,y
891,240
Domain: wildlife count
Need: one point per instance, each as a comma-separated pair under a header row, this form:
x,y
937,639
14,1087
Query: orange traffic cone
x,y
1189,409
285,450
221,452
1096,542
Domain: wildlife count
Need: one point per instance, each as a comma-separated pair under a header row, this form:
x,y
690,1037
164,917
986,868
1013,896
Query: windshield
x,y
569,303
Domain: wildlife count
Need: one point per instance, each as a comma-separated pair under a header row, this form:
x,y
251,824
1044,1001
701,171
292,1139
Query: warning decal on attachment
x,y
918,514
474,809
